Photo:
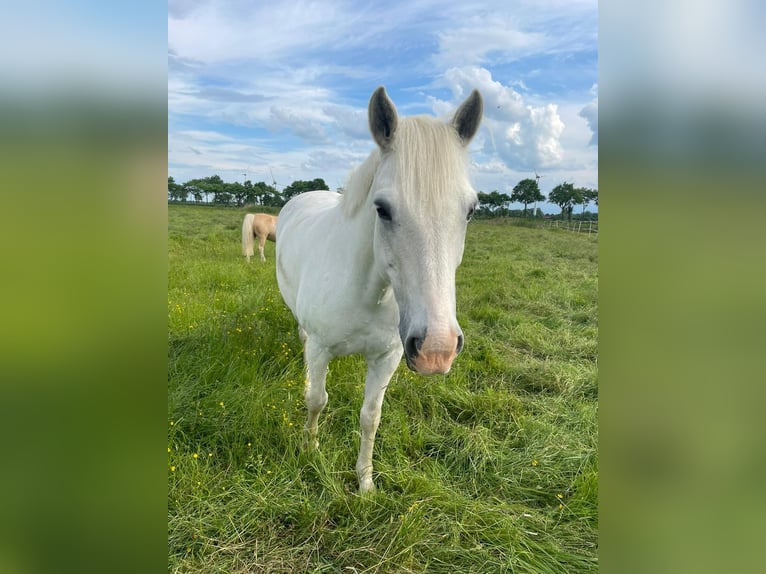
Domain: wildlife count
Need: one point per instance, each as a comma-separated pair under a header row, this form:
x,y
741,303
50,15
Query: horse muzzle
x,y
432,354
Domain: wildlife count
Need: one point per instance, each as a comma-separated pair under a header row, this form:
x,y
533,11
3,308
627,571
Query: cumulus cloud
x,y
523,135
590,113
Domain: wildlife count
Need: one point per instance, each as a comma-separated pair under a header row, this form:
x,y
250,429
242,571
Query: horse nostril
x,y
412,346
459,344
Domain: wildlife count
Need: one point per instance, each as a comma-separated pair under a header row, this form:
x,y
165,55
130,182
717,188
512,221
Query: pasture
x,y
491,468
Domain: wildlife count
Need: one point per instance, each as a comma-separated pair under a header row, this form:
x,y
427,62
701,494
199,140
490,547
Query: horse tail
x,y
247,236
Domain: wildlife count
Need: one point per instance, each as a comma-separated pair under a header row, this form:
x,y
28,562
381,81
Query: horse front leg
x,y
379,372
317,359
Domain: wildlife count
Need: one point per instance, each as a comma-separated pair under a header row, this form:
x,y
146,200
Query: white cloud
x,y
590,113
218,32
522,135
351,122
182,8
270,32
302,122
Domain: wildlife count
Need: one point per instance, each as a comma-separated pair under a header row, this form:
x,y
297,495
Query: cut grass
x,y
492,468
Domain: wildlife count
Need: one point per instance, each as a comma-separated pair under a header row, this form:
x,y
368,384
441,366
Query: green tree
x,y
577,198
176,191
300,186
222,197
266,194
196,193
248,193
564,196
585,196
215,186
237,191
193,187
593,196
494,202
527,191
273,200
212,185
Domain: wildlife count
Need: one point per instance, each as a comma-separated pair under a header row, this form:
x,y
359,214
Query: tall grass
x,y
492,468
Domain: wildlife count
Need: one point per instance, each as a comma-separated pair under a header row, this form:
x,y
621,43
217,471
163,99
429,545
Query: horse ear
x,y
383,119
468,117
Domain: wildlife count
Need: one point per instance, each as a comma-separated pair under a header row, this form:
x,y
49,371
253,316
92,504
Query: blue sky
x,y
282,87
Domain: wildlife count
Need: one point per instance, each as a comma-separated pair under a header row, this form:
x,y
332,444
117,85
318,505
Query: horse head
x,y
423,200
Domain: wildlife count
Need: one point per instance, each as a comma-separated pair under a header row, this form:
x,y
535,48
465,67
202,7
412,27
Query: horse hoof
x,y
310,445
366,486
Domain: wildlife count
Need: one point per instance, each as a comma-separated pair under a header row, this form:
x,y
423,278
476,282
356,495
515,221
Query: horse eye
x,y
470,214
383,212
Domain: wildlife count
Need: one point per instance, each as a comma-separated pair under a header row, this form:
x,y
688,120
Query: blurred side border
x,y
682,283
83,211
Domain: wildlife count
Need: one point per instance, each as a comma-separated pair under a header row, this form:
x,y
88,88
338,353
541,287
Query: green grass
x,y
492,468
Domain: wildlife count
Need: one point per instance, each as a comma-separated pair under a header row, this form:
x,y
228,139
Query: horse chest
x,y
362,328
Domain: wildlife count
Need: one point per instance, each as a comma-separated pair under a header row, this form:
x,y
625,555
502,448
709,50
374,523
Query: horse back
x,y
303,227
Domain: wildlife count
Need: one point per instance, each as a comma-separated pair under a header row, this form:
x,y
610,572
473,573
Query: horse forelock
x,y
429,159
432,162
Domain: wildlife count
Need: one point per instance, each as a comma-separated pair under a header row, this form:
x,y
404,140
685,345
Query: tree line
x,y
527,192
214,190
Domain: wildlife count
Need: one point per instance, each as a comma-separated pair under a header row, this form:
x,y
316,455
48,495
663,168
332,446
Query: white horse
x,y
372,270
260,225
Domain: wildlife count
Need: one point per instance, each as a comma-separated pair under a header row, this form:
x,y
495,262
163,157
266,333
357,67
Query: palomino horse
x,y
372,270
260,225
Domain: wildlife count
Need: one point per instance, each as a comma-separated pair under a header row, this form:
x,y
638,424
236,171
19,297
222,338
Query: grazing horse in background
x,y
372,270
260,225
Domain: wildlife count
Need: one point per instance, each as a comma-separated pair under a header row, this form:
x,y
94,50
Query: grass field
x,y
491,468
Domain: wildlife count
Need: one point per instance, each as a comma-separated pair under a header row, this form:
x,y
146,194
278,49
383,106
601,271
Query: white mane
x,y
359,183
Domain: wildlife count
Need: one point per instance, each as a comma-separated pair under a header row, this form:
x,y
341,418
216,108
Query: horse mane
x,y
359,183
430,159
